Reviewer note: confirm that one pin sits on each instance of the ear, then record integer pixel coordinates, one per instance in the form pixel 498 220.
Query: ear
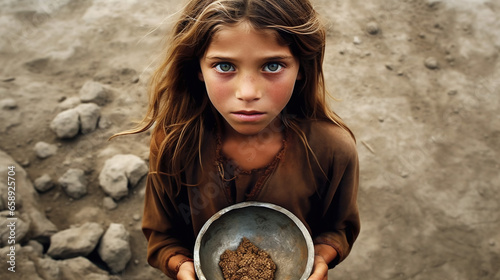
pixel 200 76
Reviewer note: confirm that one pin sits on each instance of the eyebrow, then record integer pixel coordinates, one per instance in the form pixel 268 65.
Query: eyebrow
pixel 270 58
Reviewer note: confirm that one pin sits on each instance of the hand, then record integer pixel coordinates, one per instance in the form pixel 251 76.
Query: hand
pixel 186 271
pixel 320 269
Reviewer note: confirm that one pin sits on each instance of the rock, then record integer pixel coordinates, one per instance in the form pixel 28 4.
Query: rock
pixel 372 28
pixel 37 247
pixel 8 103
pixel 66 124
pixel 433 3
pixel 49 269
pixel 114 248
pixel 113 182
pixel 109 203
pixel 94 92
pixel 81 268
pixel 74 183
pixel 41 228
pixel 69 103
pixel 89 116
pixel 76 241
pixel 44 150
pixel 104 123
pixel 12 230
pixel 44 183
pixel 357 40
pixel 25 195
pixel 27 201
pixel 431 63
pixel 24 266
pixel 136 169
pixel 119 172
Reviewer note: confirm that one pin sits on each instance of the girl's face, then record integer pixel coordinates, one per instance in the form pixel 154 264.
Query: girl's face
pixel 249 76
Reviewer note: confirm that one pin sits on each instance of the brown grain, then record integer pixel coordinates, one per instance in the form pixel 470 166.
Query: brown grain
pixel 248 262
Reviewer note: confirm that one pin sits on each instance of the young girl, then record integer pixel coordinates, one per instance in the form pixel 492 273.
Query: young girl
pixel 239 113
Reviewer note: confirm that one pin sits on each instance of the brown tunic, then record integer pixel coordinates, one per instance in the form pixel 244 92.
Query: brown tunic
pixel 322 196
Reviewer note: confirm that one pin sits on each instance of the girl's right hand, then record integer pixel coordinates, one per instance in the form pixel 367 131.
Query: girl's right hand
pixel 186 271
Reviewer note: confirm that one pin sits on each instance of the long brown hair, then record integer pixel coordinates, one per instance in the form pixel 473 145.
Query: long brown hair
pixel 179 110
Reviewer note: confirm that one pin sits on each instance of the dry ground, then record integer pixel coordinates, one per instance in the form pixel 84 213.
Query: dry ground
pixel 428 139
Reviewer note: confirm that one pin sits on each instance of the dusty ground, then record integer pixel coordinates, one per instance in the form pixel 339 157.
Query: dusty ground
pixel 428 139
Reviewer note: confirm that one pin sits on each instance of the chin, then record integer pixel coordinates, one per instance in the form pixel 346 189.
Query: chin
pixel 249 130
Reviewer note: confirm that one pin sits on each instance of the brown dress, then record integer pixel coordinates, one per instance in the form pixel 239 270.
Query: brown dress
pixel 320 189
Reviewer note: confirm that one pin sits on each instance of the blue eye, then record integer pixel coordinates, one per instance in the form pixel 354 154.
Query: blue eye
pixel 273 67
pixel 224 67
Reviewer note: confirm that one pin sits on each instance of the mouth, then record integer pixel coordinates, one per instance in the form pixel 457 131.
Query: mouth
pixel 248 116
pixel 248 113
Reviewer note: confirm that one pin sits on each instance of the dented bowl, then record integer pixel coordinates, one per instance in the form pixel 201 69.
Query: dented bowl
pixel 268 226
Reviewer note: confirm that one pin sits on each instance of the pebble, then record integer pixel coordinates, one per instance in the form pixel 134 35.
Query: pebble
pixel 357 40
pixel 136 217
pixel 66 124
pixel 8 79
pixel 8 104
pixel 74 183
pixel 44 183
pixel 114 247
pixel 431 63
pixel 109 203
pixel 89 116
pixel 372 28
pixel 94 92
pixel 69 103
pixel 75 241
pixel 120 172
pixel 44 150
pixel 56 196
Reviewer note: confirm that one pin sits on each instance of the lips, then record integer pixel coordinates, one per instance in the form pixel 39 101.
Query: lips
pixel 248 116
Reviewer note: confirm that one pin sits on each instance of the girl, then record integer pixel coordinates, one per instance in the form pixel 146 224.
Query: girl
pixel 238 112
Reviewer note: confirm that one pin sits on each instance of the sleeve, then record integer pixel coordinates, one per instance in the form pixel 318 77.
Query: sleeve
pixel 159 228
pixel 339 222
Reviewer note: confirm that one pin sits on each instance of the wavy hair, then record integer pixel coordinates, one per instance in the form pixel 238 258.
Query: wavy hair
pixel 179 109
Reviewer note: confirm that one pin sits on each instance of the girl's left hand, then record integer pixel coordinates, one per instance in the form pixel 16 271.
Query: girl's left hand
pixel 320 269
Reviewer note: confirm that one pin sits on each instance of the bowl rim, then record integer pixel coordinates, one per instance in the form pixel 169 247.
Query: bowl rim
pixel 220 213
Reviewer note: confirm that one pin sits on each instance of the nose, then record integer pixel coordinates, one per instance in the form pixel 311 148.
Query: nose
pixel 248 88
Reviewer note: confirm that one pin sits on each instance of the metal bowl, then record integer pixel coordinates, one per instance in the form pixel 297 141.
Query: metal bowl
pixel 270 227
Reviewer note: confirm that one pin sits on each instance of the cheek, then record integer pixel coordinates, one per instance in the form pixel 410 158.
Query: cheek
pixel 217 92
pixel 281 93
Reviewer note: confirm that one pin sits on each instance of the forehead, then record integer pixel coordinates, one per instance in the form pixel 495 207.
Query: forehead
pixel 244 37
pixel 244 27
